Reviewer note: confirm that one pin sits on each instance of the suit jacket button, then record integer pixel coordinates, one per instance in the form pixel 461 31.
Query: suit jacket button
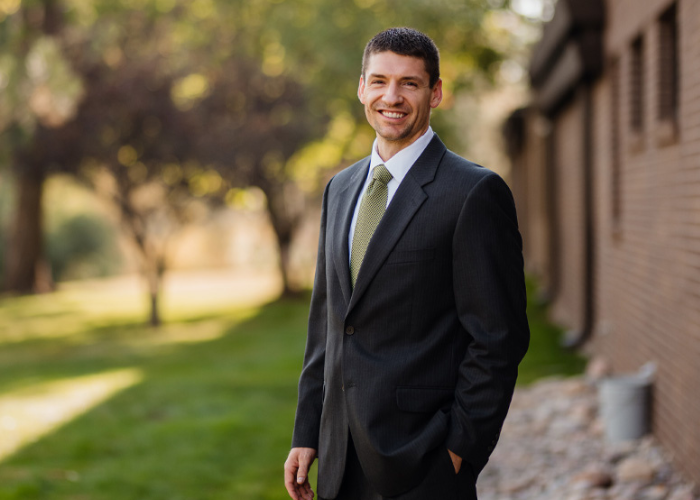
pixel 350 330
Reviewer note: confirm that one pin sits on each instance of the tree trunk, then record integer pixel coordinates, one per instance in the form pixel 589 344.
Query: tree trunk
pixel 284 245
pixel 154 294
pixel 155 283
pixel 26 269
pixel 284 222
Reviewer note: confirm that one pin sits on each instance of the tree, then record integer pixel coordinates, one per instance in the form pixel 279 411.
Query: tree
pixel 132 139
pixel 252 94
pixel 41 95
pixel 253 124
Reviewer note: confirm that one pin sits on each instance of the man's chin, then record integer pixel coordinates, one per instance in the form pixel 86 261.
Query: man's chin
pixel 391 134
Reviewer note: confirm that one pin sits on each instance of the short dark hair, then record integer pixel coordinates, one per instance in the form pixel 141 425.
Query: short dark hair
pixel 406 42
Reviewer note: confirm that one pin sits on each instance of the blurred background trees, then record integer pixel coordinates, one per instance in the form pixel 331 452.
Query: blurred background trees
pixel 170 109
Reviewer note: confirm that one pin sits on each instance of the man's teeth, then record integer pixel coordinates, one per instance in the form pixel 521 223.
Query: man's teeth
pixel 389 114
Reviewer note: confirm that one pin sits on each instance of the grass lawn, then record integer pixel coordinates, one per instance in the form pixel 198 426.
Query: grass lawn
pixel 96 406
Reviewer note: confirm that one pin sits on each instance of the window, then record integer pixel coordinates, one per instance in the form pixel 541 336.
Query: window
pixel 616 159
pixel 637 86
pixel 667 109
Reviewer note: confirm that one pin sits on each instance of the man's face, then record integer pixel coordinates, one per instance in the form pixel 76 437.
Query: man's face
pixel 396 92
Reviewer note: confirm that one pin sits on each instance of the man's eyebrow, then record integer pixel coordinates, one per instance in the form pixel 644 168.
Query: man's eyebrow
pixel 403 78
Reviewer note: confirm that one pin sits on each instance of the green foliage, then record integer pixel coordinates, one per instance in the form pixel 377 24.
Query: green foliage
pixel 82 246
pixel 192 99
pixel 545 357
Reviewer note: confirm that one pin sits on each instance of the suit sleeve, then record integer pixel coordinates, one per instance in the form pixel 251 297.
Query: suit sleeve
pixel 490 296
pixel 308 415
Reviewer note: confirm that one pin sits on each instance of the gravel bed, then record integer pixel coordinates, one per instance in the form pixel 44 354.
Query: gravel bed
pixel 552 447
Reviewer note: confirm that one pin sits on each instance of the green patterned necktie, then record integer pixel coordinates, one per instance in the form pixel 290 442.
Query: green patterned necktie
pixel 372 209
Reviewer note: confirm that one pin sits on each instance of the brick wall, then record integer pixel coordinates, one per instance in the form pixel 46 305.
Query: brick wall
pixel 567 307
pixel 648 262
pixel 646 199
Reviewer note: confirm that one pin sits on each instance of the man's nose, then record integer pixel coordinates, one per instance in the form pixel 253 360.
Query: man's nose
pixel 393 95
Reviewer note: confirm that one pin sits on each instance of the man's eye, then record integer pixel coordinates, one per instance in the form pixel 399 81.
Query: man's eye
pixel 377 82
pixel 411 84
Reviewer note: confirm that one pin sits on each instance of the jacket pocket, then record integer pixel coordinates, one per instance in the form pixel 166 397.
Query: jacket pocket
pixel 424 399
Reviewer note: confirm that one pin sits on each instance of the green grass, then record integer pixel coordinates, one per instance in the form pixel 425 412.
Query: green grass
pixel 545 357
pixel 205 412
pixel 104 408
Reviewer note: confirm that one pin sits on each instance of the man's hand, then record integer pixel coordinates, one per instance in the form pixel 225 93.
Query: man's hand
pixel 456 461
pixel 296 473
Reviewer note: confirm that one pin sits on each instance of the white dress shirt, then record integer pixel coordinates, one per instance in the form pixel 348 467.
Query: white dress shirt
pixel 398 166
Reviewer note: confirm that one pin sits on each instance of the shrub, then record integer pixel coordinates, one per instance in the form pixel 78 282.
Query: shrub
pixel 82 246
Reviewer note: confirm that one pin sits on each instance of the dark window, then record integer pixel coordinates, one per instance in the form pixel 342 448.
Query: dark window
pixel 668 65
pixel 637 85
pixel 615 141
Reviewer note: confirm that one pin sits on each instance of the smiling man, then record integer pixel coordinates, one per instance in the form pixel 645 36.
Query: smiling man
pixel 417 321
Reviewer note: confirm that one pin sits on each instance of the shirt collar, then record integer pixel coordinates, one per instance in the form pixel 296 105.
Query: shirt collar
pixel 399 164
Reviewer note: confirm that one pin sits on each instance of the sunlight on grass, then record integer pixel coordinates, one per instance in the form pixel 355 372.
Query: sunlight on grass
pixel 32 412
pixel 190 333
pixel 78 308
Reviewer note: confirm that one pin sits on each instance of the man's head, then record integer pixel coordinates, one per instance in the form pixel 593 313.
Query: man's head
pixel 405 42
pixel 399 86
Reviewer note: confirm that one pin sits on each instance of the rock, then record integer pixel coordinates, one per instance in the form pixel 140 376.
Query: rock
pixel 635 469
pixel 595 476
pixel 656 492
pixel 583 413
pixel 517 485
pixel 574 387
pixel 598 368
pixel 597 428
pixel 682 493
pixel 616 452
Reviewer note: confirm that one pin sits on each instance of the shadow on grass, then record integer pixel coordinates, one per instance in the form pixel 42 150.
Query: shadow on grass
pixel 209 420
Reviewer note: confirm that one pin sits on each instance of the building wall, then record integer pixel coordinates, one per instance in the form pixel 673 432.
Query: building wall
pixel 529 178
pixel 567 307
pixel 648 260
pixel 646 200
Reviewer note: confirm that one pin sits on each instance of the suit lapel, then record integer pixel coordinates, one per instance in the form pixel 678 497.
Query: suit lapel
pixel 347 199
pixel 406 202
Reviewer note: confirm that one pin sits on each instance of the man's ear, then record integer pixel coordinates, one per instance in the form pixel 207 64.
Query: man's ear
pixel 361 90
pixel 436 94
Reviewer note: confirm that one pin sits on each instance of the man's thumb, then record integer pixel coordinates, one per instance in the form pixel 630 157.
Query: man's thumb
pixel 303 468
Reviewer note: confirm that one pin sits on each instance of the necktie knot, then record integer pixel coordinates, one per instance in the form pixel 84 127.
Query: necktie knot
pixel 382 174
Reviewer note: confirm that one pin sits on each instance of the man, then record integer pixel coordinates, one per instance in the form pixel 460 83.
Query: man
pixel 417 320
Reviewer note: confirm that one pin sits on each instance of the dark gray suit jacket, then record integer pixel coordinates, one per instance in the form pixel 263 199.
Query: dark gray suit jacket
pixel 424 351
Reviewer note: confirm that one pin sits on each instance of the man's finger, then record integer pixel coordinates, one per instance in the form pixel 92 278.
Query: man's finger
pixel 290 480
pixel 303 470
pixel 306 491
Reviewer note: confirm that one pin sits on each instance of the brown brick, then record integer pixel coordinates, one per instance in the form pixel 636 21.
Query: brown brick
pixel 646 295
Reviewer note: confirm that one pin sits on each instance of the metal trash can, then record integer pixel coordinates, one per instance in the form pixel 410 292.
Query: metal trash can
pixel 625 405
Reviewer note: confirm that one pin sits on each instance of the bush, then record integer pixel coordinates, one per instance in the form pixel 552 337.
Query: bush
pixel 82 246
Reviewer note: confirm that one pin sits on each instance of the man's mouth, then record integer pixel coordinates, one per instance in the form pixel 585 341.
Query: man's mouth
pixel 392 114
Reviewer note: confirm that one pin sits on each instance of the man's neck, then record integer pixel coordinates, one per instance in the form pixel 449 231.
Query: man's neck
pixel 388 149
